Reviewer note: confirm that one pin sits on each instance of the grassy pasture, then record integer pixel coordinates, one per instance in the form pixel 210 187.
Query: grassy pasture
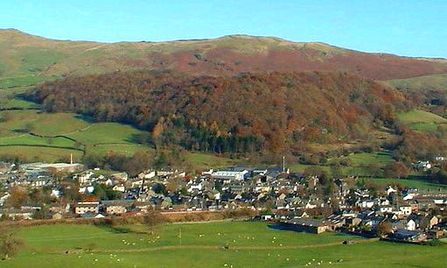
pixel 357 159
pixel 106 133
pixel 24 81
pixel 251 244
pixel 413 183
pixel 430 82
pixel 99 138
pixel 422 120
pixel 39 153
pixel 419 116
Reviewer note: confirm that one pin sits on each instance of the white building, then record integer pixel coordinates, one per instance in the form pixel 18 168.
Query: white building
pixel 229 175
pixel 83 207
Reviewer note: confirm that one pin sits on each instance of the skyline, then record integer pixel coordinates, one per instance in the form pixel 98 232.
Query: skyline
pixel 410 28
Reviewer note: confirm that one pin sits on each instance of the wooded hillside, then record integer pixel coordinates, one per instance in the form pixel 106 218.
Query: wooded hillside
pixel 245 113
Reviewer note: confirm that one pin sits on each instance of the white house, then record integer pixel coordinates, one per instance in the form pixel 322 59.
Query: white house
pixel 83 207
pixel 405 210
pixel 411 225
pixel 367 203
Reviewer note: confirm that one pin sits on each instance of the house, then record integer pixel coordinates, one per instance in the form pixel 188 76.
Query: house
pixel 56 216
pixel 405 210
pixel 84 207
pixel 267 217
pixel 17 214
pixel 424 222
pixel 116 207
pixel 228 176
pixel 119 188
pixel 308 225
pixel 367 203
pixel 389 190
pixel 411 225
pixel 5 167
pixel 407 236
pixel 386 209
pixel 423 165
pixel 428 222
pixel 84 177
pixel 122 176
pixel 352 221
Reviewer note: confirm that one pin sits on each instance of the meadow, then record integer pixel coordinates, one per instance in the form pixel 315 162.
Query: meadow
pixel 62 134
pixel 430 82
pixel 422 120
pixel 250 244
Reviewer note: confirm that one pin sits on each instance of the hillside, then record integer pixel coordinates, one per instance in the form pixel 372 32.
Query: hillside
pixel 30 56
pixel 242 113
pixel 423 83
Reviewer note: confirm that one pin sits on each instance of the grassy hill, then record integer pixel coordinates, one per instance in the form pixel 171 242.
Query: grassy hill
pixel 56 136
pixel 422 120
pixel 251 244
pixel 67 133
pixel 28 56
pixel 423 83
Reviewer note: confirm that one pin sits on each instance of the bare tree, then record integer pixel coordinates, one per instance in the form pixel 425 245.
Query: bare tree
pixel 9 243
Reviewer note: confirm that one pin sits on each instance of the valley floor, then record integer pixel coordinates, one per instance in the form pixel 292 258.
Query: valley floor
pixel 249 244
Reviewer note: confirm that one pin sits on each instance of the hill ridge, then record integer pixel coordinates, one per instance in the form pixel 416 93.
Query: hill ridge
pixel 25 54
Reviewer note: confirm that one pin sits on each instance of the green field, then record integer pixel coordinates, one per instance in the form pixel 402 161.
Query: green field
pixel 23 81
pixel 356 161
pixel 35 154
pixel 419 116
pixel 98 138
pixel 422 120
pixel 412 183
pixel 430 82
pixel 251 244
pixel 381 158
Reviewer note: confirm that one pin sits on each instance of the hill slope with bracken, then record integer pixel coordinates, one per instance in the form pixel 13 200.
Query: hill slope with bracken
pixel 243 113
pixel 22 54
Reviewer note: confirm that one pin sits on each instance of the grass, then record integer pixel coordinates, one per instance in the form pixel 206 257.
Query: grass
pixel 357 159
pixel 19 103
pixel 33 140
pixel 411 183
pixel 42 123
pixel 201 160
pixel 251 244
pixel 422 120
pixel 419 116
pixel 33 154
pixel 24 81
pixel 430 82
pixel 99 138
pixel 104 133
pixel 381 158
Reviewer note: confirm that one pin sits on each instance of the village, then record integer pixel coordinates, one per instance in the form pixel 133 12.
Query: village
pixel 291 201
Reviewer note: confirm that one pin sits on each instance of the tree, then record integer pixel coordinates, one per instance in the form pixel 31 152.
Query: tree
pixel 373 169
pixel 18 196
pixel 173 185
pixel 396 169
pixel 152 220
pixel 384 228
pixel 159 188
pixel 441 175
pixel 139 162
pixel 29 127
pixel 336 171
pixel 9 244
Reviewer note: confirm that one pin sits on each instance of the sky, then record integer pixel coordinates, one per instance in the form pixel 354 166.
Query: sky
pixel 405 27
